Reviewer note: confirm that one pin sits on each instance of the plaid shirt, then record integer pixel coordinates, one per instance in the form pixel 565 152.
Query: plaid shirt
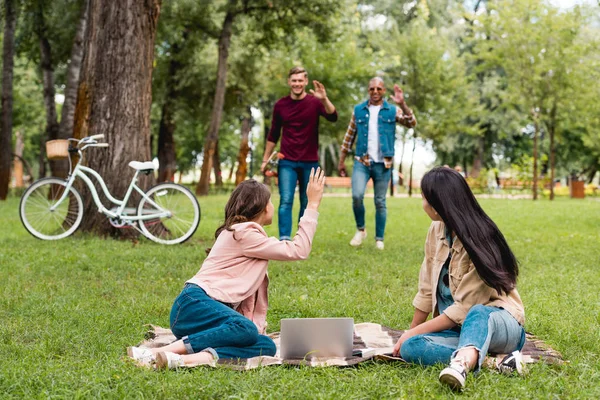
pixel 408 120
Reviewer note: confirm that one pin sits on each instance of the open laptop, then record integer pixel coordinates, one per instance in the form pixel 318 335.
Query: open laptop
pixel 316 337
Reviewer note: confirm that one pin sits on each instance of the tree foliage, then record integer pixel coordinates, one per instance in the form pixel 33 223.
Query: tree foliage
pixel 480 75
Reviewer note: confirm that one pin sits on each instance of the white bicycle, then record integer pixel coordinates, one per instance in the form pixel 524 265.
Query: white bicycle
pixel 52 209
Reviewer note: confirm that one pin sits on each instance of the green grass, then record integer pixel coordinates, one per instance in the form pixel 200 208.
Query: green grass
pixel 69 309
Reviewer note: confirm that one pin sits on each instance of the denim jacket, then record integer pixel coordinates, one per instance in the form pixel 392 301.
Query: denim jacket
pixel 386 125
pixel 467 288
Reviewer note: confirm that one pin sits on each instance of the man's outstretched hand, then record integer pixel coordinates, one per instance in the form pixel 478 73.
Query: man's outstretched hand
pixel 319 92
pixel 398 96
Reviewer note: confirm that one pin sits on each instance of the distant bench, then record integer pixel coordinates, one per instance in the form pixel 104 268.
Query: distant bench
pixel 505 184
pixel 344 182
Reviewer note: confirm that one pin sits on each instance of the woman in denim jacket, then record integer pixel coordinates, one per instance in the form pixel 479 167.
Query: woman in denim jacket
pixel 467 280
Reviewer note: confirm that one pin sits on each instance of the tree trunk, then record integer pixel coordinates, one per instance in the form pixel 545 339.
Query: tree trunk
pixel 478 161
pixel 592 170
pixel 412 162
pixel 552 132
pixel 58 168
pixel 231 171
pixel 400 174
pixel 8 52
pixel 534 185
pixel 27 179
pixel 166 133
pixel 242 171
pixel 166 142
pixel 115 94
pixel 65 129
pixel 42 158
pixel 18 163
pixel 334 156
pixel 217 167
pixel 217 110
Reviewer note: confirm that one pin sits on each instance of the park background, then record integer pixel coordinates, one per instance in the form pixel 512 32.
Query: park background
pixel 506 89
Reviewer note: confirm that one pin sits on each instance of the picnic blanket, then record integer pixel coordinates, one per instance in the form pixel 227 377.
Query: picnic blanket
pixel 373 341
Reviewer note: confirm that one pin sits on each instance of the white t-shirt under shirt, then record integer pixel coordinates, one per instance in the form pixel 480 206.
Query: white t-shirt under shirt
pixel 373 139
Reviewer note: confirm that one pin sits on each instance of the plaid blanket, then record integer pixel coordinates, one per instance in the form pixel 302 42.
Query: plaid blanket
pixel 373 341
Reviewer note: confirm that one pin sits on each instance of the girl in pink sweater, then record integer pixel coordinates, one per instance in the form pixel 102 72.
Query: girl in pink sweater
pixel 221 312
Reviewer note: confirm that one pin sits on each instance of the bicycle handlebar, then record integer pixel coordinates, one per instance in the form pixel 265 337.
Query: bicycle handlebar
pixel 93 145
pixel 96 137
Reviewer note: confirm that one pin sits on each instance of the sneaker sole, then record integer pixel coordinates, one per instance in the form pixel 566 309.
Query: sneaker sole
pixel 162 362
pixel 137 361
pixel 450 379
pixel 518 364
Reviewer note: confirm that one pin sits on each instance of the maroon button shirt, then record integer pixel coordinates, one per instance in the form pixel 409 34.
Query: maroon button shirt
pixel 299 120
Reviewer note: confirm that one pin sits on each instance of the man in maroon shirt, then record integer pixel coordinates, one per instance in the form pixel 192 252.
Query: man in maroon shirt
pixel 296 120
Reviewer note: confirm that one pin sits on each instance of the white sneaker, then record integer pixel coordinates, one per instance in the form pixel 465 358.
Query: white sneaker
pixel 379 244
pixel 142 355
pixel 168 360
pixel 511 363
pixel 358 238
pixel 454 375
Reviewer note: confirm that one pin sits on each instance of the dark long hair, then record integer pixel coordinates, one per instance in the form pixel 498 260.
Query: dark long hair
pixel 247 201
pixel 450 196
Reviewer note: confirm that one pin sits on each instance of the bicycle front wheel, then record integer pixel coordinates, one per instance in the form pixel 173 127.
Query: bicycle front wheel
pixel 184 211
pixel 41 214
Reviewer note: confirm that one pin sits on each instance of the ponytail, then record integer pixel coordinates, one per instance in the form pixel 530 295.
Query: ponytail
pixel 248 200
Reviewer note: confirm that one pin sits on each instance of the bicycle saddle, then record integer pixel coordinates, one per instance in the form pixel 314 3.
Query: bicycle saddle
pixel 144 166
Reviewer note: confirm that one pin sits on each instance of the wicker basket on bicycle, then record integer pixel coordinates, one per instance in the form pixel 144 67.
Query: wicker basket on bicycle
pixel 56 149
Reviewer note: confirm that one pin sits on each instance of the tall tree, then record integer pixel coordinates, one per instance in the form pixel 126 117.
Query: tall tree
pixel 114 94
pixel 516 31
pixel 65 129
pixel 272 16
pixel 182 84
pixel 433 78
pixel 8 53
pixel 210 143
pixel 564 48
pixel 58 168
pixel 242 170
pixel 166 131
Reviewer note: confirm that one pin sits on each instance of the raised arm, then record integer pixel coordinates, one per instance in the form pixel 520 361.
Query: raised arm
pixel 404 115
pixel 320 93
pixel 255 244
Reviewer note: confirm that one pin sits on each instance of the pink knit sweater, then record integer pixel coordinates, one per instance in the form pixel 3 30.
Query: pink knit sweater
pixel 235 271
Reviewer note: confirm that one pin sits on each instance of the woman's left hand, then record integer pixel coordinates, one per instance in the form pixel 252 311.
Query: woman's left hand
pixel 406 335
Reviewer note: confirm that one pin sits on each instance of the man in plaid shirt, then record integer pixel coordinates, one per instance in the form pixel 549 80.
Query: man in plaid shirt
pixel 373 128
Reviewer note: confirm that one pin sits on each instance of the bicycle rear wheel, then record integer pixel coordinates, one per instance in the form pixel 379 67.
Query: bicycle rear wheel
pixel 184 216
pixel 37 216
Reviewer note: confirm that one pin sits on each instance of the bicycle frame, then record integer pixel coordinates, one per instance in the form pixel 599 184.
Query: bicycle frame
pixel 80 171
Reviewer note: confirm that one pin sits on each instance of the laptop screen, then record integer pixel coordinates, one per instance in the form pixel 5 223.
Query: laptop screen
pixel 316 337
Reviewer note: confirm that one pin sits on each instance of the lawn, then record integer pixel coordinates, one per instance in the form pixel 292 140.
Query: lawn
pixel 70 308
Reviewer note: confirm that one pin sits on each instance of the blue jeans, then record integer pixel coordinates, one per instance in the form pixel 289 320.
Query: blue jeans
pixel 203 323
pixel 486 328
pixel 381 180
pixel 290 173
